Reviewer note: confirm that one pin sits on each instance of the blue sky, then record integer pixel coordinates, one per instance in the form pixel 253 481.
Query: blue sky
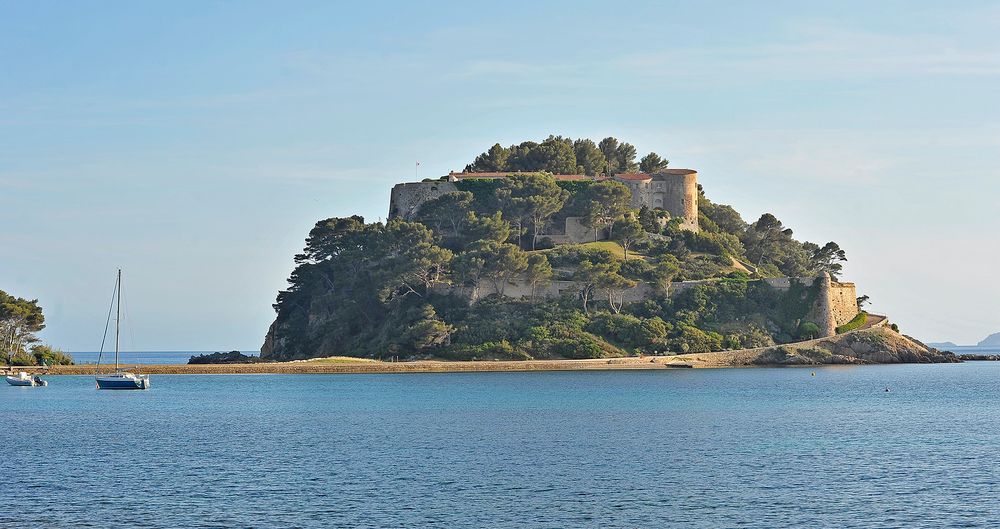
pixel 195 143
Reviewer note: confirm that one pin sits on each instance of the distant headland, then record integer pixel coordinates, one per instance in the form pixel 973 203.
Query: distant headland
pixel 570 249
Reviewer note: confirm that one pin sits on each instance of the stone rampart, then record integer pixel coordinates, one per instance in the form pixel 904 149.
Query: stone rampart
pixel 405 199
pixel 843 302
pixel 673 190
pixel 835 305
pixel 577 233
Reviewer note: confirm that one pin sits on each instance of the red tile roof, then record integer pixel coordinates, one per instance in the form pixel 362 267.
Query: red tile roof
pixel 633 176
pixel 647 176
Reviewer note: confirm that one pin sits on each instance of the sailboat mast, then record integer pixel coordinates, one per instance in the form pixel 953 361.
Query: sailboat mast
pixel 118 316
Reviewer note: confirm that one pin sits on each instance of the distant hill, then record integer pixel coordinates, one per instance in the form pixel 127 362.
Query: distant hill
pixel 992 340
pixel 943 345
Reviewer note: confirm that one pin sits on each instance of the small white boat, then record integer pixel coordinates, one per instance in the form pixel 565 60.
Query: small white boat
pixel 24 379
pixel 119 378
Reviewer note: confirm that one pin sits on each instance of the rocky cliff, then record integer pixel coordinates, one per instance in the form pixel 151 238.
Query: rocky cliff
pixel 878 345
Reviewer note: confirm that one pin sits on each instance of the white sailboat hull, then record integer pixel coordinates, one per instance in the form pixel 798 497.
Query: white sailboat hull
pixel 122 380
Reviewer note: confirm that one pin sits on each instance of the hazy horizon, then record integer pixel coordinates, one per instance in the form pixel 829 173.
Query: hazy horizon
pixel 194 145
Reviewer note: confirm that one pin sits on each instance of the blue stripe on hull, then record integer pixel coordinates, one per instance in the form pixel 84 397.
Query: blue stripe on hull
pixel 118 384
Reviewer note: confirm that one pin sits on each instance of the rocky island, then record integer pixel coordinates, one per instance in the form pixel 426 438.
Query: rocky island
pixel 572 250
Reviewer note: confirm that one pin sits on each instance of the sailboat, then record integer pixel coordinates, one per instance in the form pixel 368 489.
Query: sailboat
pixel 119 379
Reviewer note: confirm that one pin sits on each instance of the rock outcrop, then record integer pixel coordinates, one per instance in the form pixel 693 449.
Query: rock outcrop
pixel 232 357
pixel 878 345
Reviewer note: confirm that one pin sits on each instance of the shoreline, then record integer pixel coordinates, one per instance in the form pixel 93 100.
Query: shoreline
pixel 417 366
pixel 872 344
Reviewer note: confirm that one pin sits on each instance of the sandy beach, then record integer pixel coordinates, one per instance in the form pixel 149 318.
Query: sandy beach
pixel 422 366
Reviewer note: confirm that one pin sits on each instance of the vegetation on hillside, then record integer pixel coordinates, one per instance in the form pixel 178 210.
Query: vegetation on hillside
pixel 559 155
pixel 20 319
pixel 377 290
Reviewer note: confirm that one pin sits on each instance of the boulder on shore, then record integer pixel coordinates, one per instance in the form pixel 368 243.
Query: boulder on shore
pixel 232 357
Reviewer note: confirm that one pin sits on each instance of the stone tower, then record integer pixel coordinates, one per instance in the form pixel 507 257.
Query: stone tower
pixel 672 190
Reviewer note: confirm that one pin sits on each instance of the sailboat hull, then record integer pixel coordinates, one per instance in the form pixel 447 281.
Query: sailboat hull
pixel 123 382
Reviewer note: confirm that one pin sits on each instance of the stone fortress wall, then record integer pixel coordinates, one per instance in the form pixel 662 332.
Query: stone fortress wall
pixel 835 305
pixel 405 199
pixel 672 190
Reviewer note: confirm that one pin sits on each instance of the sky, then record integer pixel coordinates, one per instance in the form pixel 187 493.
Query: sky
pixel 194 144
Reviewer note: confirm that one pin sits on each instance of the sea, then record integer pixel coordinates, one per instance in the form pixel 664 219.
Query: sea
pixel 893 446
pixel 142 357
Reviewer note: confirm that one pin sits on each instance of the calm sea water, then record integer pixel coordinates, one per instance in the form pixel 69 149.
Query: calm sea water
pixel 681 448
pixel 143 357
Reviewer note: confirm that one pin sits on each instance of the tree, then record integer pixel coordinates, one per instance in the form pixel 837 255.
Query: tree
pixel 555 155
pixel 501 262
pixel 532 199
pixel 492 160
pixel 448 210
pixel 629 231
pixel 608 201
pixel 539 272
pixel 615 286
pixel 769 243
pixel 652 163
pixel 426 331
pixel 727 219
pixel 486 228
pixel 20 319
pixel 649 220
pixel 334 237
pixel 664 273
pixel 862 301
pixel 609 148
pixel 625 156
pixel 827 258
pixel 407 259
pixel 588 276
pixel 522 157
pixel 589 157
pixel 467 270
pixel 593 276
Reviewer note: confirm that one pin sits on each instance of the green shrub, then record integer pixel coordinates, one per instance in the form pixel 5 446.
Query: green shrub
pixel 544 243
pixel 629 330
pixel 855 323
pixel 637 269
pixel 808 330
pixel 502 350
pixel 694 340
pixel 45 354
pixel 22 358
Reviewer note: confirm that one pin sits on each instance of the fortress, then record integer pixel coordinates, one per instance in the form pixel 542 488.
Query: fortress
pixel 672 190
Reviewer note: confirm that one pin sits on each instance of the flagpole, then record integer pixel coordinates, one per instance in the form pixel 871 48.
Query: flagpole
pixel 416 165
